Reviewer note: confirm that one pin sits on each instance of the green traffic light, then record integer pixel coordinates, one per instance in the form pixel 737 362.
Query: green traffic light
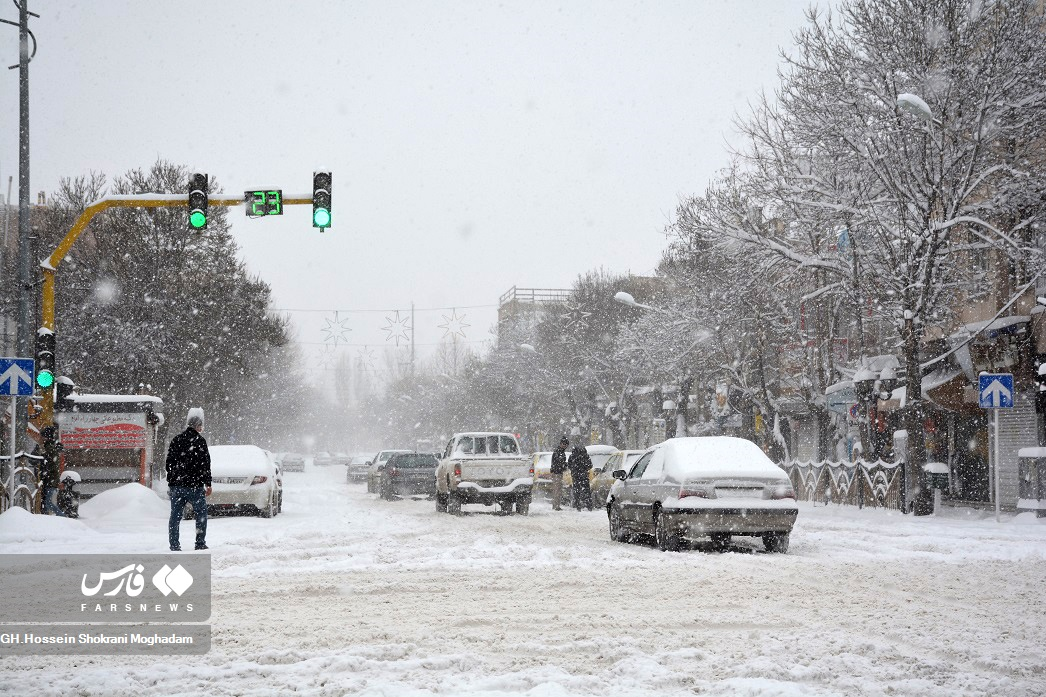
pixel 44 379
pixel 197 219
pixel 322 217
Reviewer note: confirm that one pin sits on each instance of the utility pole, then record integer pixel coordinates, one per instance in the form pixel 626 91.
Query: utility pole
pixel 25 331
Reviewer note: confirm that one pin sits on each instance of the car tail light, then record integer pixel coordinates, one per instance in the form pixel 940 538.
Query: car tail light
pixel 703 491
pixel 457 469
pixel 393 472
pixel 531 469
pixel 259 480
pixel 779 491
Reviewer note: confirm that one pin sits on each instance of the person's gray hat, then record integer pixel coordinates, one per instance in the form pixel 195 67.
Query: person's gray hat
pixel 195 418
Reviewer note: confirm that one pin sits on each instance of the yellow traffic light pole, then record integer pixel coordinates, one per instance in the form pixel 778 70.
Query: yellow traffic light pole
pixel 50 266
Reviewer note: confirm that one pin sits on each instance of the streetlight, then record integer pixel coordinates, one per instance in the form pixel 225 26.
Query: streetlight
pixel 916 106
pixel 627 299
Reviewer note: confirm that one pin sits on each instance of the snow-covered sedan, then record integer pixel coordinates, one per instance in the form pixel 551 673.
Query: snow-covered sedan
pixel 244 478
pixel 358 467
pixel 715 487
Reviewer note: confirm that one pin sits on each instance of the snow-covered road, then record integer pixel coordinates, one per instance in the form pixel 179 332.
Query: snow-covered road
pixel 345 594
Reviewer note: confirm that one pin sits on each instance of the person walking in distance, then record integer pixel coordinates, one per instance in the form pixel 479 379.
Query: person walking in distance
pixel 579 464
pixel 559 466
pixel 189 479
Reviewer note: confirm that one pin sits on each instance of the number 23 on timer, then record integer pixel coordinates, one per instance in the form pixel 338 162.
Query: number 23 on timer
pixel 261 203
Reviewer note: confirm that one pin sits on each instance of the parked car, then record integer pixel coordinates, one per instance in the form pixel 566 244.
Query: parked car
pixel 293 462
pixel 408 474
pixel 340 459
pixel 716 487
pixel 358 466
pixel 603 479
pixel 542 464
pixel 486 468
pixel 322 459
pixel 376 466
pixel 245 478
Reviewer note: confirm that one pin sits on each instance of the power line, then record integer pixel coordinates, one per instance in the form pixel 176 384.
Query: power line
pixel 419 309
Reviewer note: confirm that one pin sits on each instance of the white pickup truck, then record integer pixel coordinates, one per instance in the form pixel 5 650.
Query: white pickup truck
pixel 485 468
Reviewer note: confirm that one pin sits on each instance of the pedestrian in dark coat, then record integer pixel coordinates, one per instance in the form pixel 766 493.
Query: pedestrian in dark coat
pixel 189 479
pixel 579 464
pixel 51 451
pixel 559 466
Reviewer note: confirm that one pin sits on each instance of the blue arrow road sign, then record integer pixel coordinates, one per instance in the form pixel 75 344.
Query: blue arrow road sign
pixel 995 390
pixel 16 377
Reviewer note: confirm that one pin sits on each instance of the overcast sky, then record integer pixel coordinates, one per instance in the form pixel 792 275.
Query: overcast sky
pixel 474 145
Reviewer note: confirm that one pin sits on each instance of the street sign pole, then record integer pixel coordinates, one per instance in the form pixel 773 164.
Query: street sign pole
pixel 997 497
pixel 995 392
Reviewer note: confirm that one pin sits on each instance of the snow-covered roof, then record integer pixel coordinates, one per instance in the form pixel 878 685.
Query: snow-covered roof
pixel 116 398
pixel 992 328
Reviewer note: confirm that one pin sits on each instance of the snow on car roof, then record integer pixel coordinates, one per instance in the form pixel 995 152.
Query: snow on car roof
pixel 600 449
pixel 716 456
pixel 231 459
pixel 484 433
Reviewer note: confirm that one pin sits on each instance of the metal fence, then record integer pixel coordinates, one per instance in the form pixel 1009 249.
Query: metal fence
pixel 875 484
pixel 20 485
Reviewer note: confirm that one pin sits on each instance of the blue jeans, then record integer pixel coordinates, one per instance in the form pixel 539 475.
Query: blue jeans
pixel 47 498
pixel 181 495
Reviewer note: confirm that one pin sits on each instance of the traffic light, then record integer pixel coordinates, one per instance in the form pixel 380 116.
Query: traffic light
pixel 63 388
pixel 198 201
pixel 321 200
pixel 44 358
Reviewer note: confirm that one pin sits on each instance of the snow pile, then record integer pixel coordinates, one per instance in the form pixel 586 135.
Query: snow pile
pixel 129 503
pixel 18 525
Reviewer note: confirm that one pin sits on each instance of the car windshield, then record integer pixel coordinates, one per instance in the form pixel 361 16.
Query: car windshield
pixel 599 460
pixel 418 460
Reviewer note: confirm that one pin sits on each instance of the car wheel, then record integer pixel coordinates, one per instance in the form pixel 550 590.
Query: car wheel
pixel 617 529
pixel 523 505
pixel 776 542
pixel 270 508
pixel 279 503
pixel 441 503
pixel 664 541
pixel 453 504
pixel 720 541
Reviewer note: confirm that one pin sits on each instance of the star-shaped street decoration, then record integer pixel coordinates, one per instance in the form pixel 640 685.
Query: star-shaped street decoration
pixel 337 329
pixel 397 328
pixel 366 357
pixel 575 316
pixel 453 325
pixel 327 358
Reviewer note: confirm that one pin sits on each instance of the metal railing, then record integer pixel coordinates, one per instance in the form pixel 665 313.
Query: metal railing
pixel 875 484
pixel 20 486
pixel 533 296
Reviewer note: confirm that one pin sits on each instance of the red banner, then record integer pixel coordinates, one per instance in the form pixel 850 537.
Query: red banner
pixel 103 431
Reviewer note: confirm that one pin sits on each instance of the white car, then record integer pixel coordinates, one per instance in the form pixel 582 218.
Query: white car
pixel 713 486
pixel 377 465
pixel 244 478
